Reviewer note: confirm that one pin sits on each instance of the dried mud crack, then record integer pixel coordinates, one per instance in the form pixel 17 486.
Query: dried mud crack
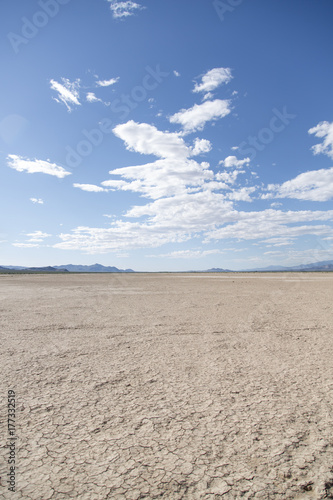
pixel 145 386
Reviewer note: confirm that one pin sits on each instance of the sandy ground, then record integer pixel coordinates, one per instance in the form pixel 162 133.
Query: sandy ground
pixel 168 386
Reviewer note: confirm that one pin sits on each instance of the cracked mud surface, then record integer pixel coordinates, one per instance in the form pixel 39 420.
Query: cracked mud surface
pixel 144 386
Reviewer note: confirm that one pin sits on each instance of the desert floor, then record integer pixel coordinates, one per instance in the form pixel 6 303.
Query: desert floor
pixel 173 386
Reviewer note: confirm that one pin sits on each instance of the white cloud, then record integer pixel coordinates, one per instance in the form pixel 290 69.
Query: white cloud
pixel 172 174
pixel 89 187
pixel 91 97
pixel 229 177
pixel 164 177
pixel 273 223
pixel 124 9
pixel 315 185
pixel 68 92
pixel 201 146
pixel 213 79
pixel 242 194
pixel 276 204
pixel 147 139
pixel 107 83
pixel 188 254
pixel 176 73
pixel 196 117
pixel 231 161
pixel 37 200
pixel 36 166
pixel 25 245
pixel 38 236
pixel 323 130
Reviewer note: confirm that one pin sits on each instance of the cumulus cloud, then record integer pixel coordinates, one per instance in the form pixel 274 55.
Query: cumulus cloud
pixel 201 146
pixel 91 97
pixel 315 185
pixel 107 83
pixel 232 161
pixel 172 174
pixel 125 9
pixel 213 79
pixel 22 164
pixel 37 200
pixel 324 130
pixel 89 187
pixel 147 139
pixel 68 92
pixel 195 118
pixel 229 177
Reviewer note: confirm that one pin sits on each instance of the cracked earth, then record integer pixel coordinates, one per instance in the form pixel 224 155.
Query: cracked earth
pixel 146 386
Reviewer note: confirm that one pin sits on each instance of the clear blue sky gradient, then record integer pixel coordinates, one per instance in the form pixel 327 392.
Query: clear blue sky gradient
pixel 280 57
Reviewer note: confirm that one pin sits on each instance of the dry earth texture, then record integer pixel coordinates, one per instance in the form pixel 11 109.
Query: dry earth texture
pixel 188 386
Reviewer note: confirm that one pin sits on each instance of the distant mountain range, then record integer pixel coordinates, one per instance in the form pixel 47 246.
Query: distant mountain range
pixel 326 265
pixel 95 268
pixel 18 269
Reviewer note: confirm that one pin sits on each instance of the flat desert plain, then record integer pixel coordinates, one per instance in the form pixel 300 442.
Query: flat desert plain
pixel 173 386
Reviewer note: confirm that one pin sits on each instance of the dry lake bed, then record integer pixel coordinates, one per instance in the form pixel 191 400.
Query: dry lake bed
pixel 169 386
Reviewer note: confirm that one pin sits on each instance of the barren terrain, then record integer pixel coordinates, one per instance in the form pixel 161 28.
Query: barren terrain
pixel 172 386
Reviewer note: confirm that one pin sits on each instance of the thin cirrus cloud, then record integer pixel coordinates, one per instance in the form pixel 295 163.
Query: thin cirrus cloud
pixel 68 92
pixel 107 83
pixel 195 118
pixel 34 166
pixel 38 236
pixel 34 240
pixel 121 10
pixel 212 80
pixel 323 130
pixel 92 188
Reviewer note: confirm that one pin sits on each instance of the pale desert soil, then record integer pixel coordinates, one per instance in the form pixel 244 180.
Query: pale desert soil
pixel 169 386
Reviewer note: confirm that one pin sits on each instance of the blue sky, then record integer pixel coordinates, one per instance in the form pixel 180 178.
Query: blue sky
pixel 166 135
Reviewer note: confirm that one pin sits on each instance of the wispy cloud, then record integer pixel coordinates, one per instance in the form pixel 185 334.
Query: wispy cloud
pixel 89 187
pixel 124 9
pixel 34 166
pixel 195 118
pixel 68 92
pixel 37 200
pixel 91 97
pixel 315 185
pixel 25 245
pixel 34 240
pixel 189 254
pixel 107 83
pixel 38 236
pixel 323 130
pixel 212 80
